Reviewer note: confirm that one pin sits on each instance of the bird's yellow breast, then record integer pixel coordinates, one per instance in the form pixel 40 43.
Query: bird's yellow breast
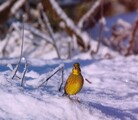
pixel 74 83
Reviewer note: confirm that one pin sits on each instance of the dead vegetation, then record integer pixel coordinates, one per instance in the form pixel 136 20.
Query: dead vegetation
pixel 34 20
pixel 43 19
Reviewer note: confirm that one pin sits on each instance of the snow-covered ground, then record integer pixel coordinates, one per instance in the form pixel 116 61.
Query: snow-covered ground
pixel 113 94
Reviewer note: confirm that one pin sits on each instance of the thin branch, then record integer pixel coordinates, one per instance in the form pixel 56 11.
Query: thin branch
pixel 17 6
pixel 40 21
pixel 39 17
pixel 51 75
pixel 17 66
pixel 24 72
pixel 37 32
pixel 51 33
pixel 62 78
pixel 28 10
pixel 52 7
pixel 102 24
pixel 88 81
pixel 69 49
pixel 46 80
pixel 5 5
pixel 89 13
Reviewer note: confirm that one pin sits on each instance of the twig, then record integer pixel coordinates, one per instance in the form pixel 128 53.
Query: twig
pixel 88 81
pixel 39 18
pixel 62 78
pixel 102 24
pixel 69 49
pixel 24 72
pixel 51 33
pixel 17 66
pixel 75 45
pixel 16 6
pixel 89 13
pixel 5 5
pixel 51 75
pixel 28 10
pixel 52 7
pixel 36 32
pixel 40 21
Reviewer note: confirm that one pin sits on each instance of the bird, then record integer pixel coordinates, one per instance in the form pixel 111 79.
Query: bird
pixel 74 82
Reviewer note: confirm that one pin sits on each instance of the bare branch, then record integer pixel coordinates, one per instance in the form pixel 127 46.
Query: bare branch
pixel 52 7
pixel 62 78
pixel 16 6
pixel 24 72
pixel 5 5
pixel 102 24
pixel 35 32
pixel 17 66
pixel 69 49
pixel 89 13
pixel 52 74
pixel 88 81
pixel 51 33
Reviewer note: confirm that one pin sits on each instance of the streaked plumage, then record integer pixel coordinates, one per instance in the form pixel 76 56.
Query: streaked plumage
pixel 75 81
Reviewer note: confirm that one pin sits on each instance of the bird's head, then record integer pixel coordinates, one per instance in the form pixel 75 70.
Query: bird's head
pixel 76 69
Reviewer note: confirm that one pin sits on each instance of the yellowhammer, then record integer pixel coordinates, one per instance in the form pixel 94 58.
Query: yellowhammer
pixel 75 81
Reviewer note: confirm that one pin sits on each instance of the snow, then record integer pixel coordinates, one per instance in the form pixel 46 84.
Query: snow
pixel 113 94
pixel 103 21
pixel 70 23
pixel 17 6
pixel 4 5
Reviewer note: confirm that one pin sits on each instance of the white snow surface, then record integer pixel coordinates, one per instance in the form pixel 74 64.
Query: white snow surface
pixel 113 94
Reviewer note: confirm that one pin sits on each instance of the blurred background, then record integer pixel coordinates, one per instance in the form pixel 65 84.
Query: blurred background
pixel 56 28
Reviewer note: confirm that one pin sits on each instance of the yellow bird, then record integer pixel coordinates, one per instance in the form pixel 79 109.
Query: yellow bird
pixel 75 81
